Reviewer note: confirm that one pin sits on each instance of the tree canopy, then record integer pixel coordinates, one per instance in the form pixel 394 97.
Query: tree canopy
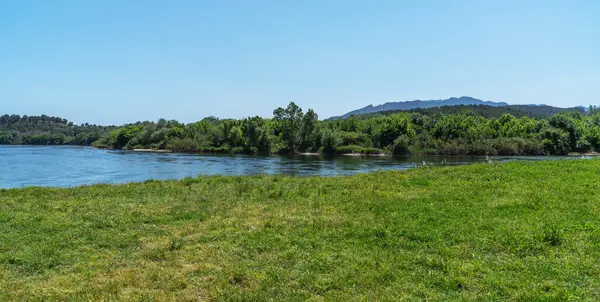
pixel 292 130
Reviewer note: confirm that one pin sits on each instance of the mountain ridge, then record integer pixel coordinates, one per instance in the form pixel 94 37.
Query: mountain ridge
pixel 408 105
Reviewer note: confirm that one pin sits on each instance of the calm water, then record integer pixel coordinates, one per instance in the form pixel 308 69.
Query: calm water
pixel 72 166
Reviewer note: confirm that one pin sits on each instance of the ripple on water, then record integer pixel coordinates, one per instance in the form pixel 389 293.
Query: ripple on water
pixel 68 166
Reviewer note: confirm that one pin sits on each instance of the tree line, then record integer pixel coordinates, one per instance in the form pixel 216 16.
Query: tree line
pixel 291 130
pixel 450 131
pixel 534 111
pixel 47 130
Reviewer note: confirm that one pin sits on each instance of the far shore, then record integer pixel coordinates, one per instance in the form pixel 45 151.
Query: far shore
pixel 303 153
pixel 344 154
pixel 153 150
pixel 584 154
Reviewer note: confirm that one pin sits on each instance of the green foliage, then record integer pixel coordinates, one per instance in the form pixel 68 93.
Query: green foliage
pixel 393 126
pixel 330 141
pixel 356 138
pixel 47 130
pixel 309 131
pixel 264 142
pixel 122 137
pixel 593 137
pixel 183 145
pixel 236 138
pixel 533 111
pixel 555 141
pixel 291 121
pixel 444 130
pixel 401 145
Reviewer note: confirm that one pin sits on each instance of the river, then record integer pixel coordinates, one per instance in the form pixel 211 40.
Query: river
pixel 69 166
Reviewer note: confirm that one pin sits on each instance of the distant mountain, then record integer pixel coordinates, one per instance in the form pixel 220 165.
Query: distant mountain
pixel 533 111
pixel 408 105
pixel 545 110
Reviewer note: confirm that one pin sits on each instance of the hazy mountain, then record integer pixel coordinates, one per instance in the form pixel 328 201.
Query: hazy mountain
pixel 533 111
pixel 408 105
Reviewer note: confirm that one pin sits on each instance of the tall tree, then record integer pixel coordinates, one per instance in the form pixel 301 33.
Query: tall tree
pixel 291 121
pixel 308 130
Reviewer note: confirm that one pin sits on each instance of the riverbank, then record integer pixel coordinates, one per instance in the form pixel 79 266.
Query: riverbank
pixel 300 153
pixel 511 231
pixel 573 154
pixel 153 150
pixel 584 154
pixel 343 154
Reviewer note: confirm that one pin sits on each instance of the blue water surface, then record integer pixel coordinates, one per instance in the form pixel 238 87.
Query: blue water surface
pixel 69 166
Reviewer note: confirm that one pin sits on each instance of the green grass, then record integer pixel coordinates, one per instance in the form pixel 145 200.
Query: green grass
pixel 514 231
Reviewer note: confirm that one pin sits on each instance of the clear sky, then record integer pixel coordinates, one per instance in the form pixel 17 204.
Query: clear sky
pixel 116 61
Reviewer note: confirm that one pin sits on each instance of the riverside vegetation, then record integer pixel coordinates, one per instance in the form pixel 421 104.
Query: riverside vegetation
pixel 452 130
pixel 526 231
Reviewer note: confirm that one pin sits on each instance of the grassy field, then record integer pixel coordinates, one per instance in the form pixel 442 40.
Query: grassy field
pixel 513 231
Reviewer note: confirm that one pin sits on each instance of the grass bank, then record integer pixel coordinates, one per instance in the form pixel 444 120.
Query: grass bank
pixel 512 231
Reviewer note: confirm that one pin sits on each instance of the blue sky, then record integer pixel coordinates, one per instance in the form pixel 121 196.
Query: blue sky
pixel 105 61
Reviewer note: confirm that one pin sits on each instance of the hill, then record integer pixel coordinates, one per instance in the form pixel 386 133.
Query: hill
pixel 533 111
pixel 545 110
pixel 408 105
pixel 47 130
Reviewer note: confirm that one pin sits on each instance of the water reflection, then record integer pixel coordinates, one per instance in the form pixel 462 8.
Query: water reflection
pixel 73 166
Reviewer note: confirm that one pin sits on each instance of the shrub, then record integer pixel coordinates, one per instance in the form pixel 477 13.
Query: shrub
pixel 348 149
pixel 531 146
pixel 370 150
pixel 355 138
pixel 401 145
pixel 452 148
pixel 506 146
pixel 330 141
pixel 593 137
pixel 483 148
pixel 183 145
pixel 555 141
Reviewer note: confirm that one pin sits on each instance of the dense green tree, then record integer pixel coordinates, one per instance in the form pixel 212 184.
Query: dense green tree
pixel 251 129
pixel 391 127
pixel 290 119
pixel 47 130
pixel 330 141
pixel 309 131
pixel 462 130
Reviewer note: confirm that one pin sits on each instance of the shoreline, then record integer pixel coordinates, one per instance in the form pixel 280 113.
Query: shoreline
pixel 147 150
pixel 153 151
pixel 361 154
pixel 300 153
pixel 584 154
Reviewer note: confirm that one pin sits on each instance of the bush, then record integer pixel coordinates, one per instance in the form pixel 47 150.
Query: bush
pixel 506 146
pixel 401 145
pixel 183 145
pixel 593 137
pixel 555 141
pixel 452 148
pixel 583 145
pixel 348 149
pixel 531 146
pixel 483 148
pixel 330 141
pixel 355 138
pixel 370 150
